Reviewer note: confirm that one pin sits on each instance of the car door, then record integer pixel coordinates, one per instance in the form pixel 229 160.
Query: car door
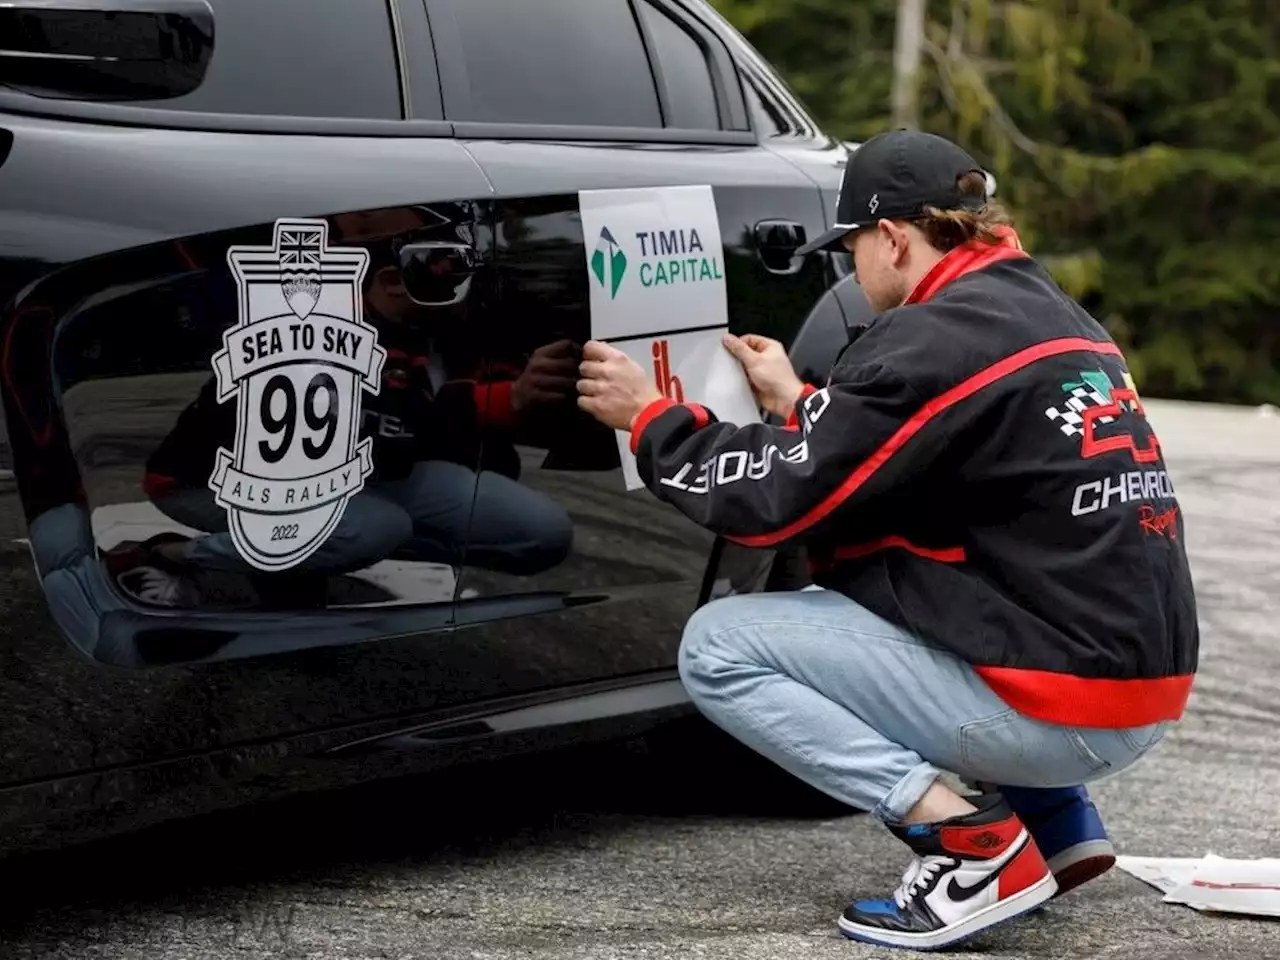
pixel 556 97
pixel 232 286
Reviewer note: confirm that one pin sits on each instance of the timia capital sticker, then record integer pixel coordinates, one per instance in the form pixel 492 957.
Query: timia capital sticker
pixel 297 364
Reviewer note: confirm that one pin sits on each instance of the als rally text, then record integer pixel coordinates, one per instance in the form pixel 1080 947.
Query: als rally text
pixel 300 493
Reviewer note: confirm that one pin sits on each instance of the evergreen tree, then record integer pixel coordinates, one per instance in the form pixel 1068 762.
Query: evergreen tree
pixel 1136 141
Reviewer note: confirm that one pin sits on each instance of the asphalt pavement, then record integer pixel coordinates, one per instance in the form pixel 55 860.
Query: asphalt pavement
pixel 649 851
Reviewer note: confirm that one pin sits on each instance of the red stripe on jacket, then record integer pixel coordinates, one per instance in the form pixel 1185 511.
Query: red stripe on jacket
pixel 793 418
pixel 1089 701
pixel 972 256
pixel 1061 698
pixel 701 417
pixel 938 405
pixel 941 554
pixel 493 403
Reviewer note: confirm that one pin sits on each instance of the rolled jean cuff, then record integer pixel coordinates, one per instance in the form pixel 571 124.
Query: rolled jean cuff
pixel 906 793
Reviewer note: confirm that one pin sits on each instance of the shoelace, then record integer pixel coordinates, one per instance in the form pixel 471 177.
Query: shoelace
pixel 919 874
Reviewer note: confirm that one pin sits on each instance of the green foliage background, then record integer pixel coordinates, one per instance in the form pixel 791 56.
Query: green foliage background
pixel 1136 142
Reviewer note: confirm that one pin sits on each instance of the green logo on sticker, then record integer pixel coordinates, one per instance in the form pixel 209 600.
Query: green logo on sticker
pixel 608 263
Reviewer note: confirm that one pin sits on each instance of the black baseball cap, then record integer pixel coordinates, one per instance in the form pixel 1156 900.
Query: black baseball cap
pixel 894 176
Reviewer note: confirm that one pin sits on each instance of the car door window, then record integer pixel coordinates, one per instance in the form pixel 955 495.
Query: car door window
pixel 299 58
pixel 579 62
pixel 691 94
pixel 765 110
pixel 773 114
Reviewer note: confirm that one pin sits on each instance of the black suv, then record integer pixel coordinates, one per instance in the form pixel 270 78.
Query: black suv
pixel 391 192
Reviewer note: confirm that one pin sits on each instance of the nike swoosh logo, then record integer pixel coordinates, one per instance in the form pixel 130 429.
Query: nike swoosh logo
pixel 960 894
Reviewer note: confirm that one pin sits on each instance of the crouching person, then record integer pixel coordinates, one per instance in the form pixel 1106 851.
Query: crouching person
pixel 1005 591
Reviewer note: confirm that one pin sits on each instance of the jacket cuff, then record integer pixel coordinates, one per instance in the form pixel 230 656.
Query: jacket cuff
pixel 701 417
pixel 646 417
pixel 793 419
pixel 493 400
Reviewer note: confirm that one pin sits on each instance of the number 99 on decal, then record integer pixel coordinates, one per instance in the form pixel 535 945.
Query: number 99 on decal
pixel 297 365
pixel 278 414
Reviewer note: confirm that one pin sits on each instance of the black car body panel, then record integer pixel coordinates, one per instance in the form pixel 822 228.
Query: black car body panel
pixel 117 290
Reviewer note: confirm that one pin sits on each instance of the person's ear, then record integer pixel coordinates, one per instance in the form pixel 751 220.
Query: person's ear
pixel 389 281
pixel 899 240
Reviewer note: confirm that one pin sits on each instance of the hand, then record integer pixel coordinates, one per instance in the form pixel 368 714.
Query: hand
pixel 614 388
pixel 550 375
pixel 773 381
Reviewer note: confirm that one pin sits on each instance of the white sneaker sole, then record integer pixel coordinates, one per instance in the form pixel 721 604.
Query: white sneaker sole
pixel 1022 902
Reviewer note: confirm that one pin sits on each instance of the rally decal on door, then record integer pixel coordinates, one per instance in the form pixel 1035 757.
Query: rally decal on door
pixel 297 364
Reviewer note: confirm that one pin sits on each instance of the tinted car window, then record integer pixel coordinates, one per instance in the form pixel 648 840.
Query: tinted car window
pixel 306 58
pixel 555 62
pixel 685 71
pixel 768 117
pixel 771 114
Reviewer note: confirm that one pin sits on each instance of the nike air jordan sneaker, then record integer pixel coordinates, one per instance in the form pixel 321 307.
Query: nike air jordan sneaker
pixel 970 873
pixel 1067 829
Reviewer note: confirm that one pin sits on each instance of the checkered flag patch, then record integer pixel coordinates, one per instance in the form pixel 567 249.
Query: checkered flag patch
pixel 1071 421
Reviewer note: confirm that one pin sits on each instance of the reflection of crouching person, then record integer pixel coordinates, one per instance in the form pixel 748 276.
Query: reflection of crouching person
pixel 370 530
pixel 420 446
pixel 425 515
pixel 177 483
pixel 417 508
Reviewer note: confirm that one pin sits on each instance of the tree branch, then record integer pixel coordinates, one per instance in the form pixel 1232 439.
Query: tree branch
pixel 955 39
pixel 940 60
pixel 998 114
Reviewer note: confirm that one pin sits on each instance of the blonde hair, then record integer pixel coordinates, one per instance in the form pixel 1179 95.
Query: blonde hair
pixel 948 229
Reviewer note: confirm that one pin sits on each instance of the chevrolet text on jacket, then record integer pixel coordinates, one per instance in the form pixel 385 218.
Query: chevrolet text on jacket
pixel 980 471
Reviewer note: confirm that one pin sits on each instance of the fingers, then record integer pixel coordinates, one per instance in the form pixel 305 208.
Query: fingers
pixel 749 345
pixel 595 406
pixel 597 350
pixel 738 347
pixel 549 396
pixel 553 368
pixel 560 350
pixel 555 386
pixel 758 343
pixel 592 368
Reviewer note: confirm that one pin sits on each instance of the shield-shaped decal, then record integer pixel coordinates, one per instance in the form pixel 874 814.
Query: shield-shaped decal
pixel 297 364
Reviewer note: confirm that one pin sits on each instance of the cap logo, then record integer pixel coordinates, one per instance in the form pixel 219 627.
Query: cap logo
pixel 874 205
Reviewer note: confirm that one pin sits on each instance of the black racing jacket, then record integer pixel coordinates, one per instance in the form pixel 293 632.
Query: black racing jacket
pixel 978 470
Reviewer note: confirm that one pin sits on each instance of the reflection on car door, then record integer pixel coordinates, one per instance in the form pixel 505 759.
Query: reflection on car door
pixel 119 392
pixel 634 569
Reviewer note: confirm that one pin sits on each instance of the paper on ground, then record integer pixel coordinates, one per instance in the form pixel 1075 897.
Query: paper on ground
pixel 1164 873
pixel 1234 886
pixel 1212 883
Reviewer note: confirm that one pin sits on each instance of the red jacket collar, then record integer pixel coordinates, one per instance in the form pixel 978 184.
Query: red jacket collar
pixel 974 255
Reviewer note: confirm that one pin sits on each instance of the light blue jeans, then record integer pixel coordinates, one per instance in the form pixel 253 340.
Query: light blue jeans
pixel 867 713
